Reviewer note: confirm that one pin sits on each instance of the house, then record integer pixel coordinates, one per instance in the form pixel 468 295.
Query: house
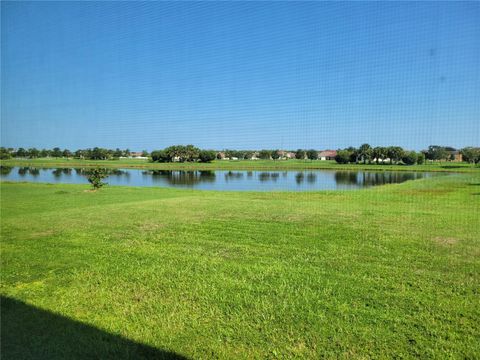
pixel 456 156
pixel 327 155
pixel 221 156
pixel 137 155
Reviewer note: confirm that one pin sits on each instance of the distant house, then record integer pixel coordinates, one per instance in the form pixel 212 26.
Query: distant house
pixel 456 156
pixel 285 155
pixel 327 155
pixel 137 155
pixel 221 156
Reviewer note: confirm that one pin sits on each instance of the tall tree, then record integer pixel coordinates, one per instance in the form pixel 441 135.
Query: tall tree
pixel 56 152
pixel 21 152
pixel 365 152
pixel 300 154
pixel 33 153
pixel 379 153
pixel 265 154
pixel 312 154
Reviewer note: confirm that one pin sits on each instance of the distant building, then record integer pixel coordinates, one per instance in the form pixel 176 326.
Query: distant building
pixel 456 156
pixel 137 155
pixel 327 155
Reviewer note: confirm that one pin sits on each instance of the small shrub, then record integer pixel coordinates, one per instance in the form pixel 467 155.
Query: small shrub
pixel 95 178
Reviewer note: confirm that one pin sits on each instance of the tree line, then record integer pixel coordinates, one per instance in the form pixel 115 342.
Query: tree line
pixel 190 153
pixel 396 154
pixel 95 153
pixel 183 153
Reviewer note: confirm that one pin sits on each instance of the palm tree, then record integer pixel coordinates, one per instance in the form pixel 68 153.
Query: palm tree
pixel 365 151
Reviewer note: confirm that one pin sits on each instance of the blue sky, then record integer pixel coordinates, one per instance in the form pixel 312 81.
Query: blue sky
pixel 145 75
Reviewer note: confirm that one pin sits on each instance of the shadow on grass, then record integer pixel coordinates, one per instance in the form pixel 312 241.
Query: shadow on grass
pixel 31 333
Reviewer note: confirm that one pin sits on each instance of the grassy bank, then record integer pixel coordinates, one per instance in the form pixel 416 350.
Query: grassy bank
pixel 159 273
pixel 239 165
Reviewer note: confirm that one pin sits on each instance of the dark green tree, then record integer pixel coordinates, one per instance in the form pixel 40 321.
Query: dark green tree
pixel 265 154
pixel 437 153
pixel 471 155
pixel 365 152
pixel 300 154
pixel 420 158
pixel 276 154
pixel 21 152
pixel 206 156
pixel 4 153
pixel 56 152
pixel 96 176
pixel 343 156
pixel 312 154
pixel 33 153
pixel 410 158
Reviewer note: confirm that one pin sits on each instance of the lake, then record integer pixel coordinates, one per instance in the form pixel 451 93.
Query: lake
pixel 307 180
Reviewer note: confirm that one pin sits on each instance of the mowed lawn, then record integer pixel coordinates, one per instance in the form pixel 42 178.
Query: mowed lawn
pixel 128 272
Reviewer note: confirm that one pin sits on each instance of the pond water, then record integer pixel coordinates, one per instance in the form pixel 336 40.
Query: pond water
pixel 308 180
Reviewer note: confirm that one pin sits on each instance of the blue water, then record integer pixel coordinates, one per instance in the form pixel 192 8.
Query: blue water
pixel 308 180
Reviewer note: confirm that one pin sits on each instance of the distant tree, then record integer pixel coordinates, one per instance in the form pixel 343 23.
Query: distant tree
pixel 353 154
pixel 56 152
pixel 206 156
pixel 312 154
pixel 4 153
pixel 410 158
pixel 160 156
pixel 21 152
pixel 118 153
pixel 379 153
pixel 395 153
pixel 45 153
pixel 145 153
pixel 365 152
pixel 33 153
pixel 420 158
pixel 300 154
pixel 343 156
pixel 182 153
pixel 98 154
pixel 79 154
pixel 437 153
pixel 276 154
pixel 265 154
pixel 66 153
pixel 248 154
pixel 96 176
pixel 471 155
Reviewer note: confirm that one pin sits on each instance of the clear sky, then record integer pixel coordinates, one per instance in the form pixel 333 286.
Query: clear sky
pixel 145 75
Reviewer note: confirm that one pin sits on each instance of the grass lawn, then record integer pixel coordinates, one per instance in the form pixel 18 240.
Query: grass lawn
pixel 240 165
pixel 127 272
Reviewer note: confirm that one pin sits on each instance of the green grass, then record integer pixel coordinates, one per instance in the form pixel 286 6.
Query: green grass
pixel 240 165
pixel 128 272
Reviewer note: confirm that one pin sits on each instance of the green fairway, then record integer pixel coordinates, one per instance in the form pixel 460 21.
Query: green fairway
pixel 128 272
pixel 240 165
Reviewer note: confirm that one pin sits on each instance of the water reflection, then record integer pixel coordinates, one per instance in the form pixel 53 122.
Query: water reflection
pixel 268 176
pixel 5 170
pixel 180 177
pixel 310 180
pixel 346 177
pixel 299 178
